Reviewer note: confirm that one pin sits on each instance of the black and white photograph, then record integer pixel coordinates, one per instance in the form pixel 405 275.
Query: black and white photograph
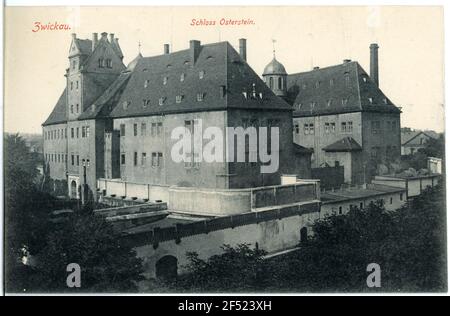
pixel 154 150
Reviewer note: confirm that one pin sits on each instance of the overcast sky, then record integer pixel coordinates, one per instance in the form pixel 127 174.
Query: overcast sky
pixel 410 54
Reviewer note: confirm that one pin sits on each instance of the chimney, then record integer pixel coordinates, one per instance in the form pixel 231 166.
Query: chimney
pixel 166 49
pixel 374 62
pixel 111 38
pixel 74 36
pixel 104 35
pixel 346 61
pixel 243 48
pixel 316 68
pixel 194 50
pixel 94 40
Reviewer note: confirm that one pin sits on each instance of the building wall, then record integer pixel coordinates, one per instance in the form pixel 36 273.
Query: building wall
pixel 247 174
pixel 321 138
pixel 169 172
pixel 271 236
pixel 382 146
pixel 392 202
pixel 53 146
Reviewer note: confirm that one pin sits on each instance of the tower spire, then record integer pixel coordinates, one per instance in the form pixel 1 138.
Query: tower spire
pixel 139 47
pixel 273 46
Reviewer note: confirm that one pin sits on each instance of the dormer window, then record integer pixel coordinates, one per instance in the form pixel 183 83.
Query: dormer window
pixel 126 104
pixel 146 83
pixel 371 100
pixel 244 94
pixel 344 101
pixel 385 101
pixel 317 84
pixel 178 98
pixel 165 79
pixel 201 74
pixel 145 103
pixel 331 82
pixel 161 101
pixel 329 102
pixel 200 97
pixel 364 78
pixel 347 79
pixel 169 65
pixel 304 86
pixel 186 62
pixel 261 95
pixel 182 77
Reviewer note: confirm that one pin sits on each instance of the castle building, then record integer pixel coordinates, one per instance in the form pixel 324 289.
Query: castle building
pixel 115 122
pixel 342 115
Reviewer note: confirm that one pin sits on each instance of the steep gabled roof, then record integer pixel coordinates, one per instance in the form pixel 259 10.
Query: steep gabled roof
pixel 59 113
pixel 222 67
pixel 346 144
pixel 84 45
pixel 103 106
pixel 407 136
pixel 336 89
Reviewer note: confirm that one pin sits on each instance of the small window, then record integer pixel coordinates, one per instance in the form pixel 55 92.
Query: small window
pixel 72 158
pixel 304 86
pixel 135 160
pixel 109 63
pixel 83 132
pixel 161 101
pixel 364 78
pixel 146 82
pixel 344 101
pixel 329 102
pixel 371 100
pixel 100 63
pixel 122 158
pixel 297 128
pixel 78 108
pixel 78 160
pixel 361 205
pixel 77 84
pixel 201 74
pixel 135 129
pixel 391 200
pixel 122 129
pixel 344 127
pixel 385 101
pixel 165 79
pixel 88 131
pixel 71 85
pixel 331 82
pixel 200 97
pixel 317 84
pixel 143 129
pixel 178 98
pixel 182 77
pixel 72 133
pixel 401 196
pixel 143 159
pixel 126 104
pixel 78 132
pixel 350 127
pixel 340 210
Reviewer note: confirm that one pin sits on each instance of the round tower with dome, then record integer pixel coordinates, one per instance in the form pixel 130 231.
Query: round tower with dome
pixel 274 76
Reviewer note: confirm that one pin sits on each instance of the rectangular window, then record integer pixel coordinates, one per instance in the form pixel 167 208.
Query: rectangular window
pixel 78 132
pixel 73 160
pixel 327 128
pixel 153 129
pixel 344 127
pixel 78 160
pixel 159 128
pixel 143 129
pixel 72 133
pixel 83 132
pixel 297 129
pixel 135 129
pixel 350 127
pixel 178 98
pixel 143 159
pixel 311 128
pixel 306 129
pixel 122 129
pixel 159 160
pixel 87 131
pixel 154 159
pixel 122 159
pixel 200 97
pixel 135 160
pixel 332 127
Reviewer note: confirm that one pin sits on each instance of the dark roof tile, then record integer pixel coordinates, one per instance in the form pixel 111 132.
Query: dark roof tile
pixel 59 113
pixel 343 145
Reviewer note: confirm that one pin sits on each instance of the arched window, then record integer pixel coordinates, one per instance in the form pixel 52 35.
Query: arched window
pixel 280 83
pixel 271 82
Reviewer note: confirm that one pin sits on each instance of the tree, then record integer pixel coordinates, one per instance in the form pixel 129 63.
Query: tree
pixel 26 209
pixel 107 264
pixel 409 245
pixel 238 269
